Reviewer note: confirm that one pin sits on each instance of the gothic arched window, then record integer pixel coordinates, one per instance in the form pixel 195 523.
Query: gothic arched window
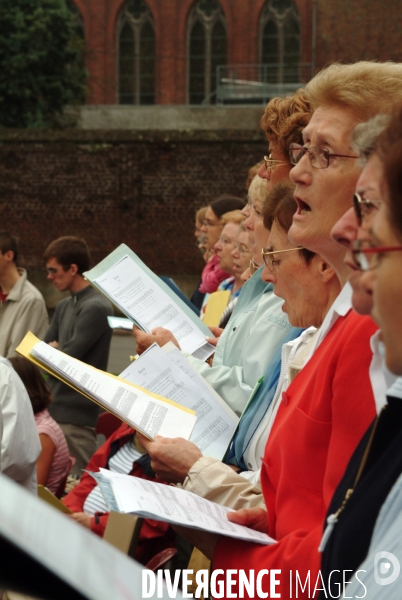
pixel 280 41
pixel 136 54
pixel 206 34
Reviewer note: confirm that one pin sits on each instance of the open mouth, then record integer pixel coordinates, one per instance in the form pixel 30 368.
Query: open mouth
pixel 302 207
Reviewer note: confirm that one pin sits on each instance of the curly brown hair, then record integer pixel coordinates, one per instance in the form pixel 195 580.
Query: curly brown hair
pixel 285 118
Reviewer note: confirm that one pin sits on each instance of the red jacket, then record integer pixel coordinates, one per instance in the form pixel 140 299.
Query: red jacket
pixel 323 415
pixel 151 530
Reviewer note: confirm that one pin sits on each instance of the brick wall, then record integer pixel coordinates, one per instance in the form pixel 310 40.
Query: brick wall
pixel 112 187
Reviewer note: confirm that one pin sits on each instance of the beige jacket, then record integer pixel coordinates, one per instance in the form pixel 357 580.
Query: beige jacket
pixel 24 310
pixel 216 481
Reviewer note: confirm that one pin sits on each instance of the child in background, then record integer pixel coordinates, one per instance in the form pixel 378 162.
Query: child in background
pixel 54 460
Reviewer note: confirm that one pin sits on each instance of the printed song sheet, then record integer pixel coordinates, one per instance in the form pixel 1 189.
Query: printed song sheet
pixel 156 371
pixel 142 299
pixel 150 414
pixel 168 503
pixel 77 557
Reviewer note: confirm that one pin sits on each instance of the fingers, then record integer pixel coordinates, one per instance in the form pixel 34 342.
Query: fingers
pixel 216 331
pixel 255 518
pixel 212 341
pixel 143 441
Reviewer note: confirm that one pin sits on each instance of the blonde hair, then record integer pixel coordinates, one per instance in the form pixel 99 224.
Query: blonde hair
pixel 258 189
pixel 234 216
pixel 366 88
pixel 285 118
pixel 200 214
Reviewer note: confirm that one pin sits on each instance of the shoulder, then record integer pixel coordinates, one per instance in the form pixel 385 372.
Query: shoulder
pixel 12 389
pixel 30 290
pixel 356 328
pixel 95 300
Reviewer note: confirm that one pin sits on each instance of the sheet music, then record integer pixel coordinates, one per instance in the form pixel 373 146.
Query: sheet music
pixel 143 411
pixel 86 562
pixel 155 371
pixel 168 503
pixel 143 300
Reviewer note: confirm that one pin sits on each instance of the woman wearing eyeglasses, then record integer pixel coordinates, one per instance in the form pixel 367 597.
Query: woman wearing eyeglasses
pixel 364 518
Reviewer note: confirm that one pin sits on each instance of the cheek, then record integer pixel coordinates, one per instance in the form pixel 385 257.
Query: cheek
pixel 280 173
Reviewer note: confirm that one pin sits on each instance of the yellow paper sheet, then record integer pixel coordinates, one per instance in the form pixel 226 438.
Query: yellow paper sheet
pixel 217 302
pixel 50 498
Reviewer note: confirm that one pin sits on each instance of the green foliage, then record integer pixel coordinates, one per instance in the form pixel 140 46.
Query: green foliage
pixel 41 62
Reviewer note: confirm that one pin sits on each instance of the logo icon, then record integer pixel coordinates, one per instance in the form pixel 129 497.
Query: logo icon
pixel 386 568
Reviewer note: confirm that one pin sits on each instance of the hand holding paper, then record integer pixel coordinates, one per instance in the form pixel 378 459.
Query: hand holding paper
pixel 159 336
pixel 171 458
pixel 167 503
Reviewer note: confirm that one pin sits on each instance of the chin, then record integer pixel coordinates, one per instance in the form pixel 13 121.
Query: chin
pixel 362 303
pixel 393 361
pixel 296 234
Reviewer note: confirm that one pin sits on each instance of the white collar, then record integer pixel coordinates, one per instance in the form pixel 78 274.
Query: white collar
pixel 380 377
pixel 396 389
pixel 340 308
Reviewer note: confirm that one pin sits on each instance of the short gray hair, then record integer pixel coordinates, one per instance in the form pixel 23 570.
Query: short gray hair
pixel 365 136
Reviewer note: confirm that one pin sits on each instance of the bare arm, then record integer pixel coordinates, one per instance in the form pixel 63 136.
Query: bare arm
pixel 45 459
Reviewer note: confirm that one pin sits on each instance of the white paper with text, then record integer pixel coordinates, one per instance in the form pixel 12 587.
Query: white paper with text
pixel 143 300
pixel 144 412
pixel 155 371
pixel 173 505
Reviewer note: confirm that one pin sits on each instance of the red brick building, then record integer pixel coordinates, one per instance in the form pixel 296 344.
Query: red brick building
pixel 167 51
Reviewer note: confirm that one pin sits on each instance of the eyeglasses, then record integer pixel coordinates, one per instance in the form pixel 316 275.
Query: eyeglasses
pixel 225 241
pixel 209 223
pixel 243 250
pixel 363 208
pixel 270 163
pixel 253 267
pixel 366 256
pixel 318 155
pixel 269 259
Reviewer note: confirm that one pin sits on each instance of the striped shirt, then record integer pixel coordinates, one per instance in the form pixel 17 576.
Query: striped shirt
pixel 61 458
pixel 121 462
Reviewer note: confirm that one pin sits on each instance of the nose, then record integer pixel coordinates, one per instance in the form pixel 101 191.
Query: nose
pixel 249 223
pixel 235 253
pixel 246 211
pixel 218 246
pixel 264 173
pixel 301 172
pixel 267 275
pixel 345 230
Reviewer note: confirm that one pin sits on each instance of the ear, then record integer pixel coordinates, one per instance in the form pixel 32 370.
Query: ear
pixel 9 255
pixel 74 270
pixel 325 270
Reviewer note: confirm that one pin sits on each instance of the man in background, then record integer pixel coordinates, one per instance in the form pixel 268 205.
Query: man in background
pixel 80 329
pixel 22 307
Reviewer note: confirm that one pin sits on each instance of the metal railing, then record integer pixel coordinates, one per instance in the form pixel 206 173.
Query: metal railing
pixel 258 83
